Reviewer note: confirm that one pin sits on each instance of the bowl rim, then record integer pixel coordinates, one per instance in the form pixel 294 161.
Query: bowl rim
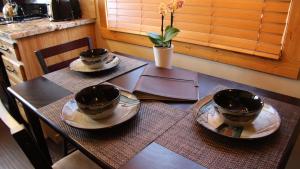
pixel 105 51
pixel 231 111
pixel 105 105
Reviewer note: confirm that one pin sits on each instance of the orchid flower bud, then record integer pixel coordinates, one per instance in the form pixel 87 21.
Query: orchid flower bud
pixel 163 9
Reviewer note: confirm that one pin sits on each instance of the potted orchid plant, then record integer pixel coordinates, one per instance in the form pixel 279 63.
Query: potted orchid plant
pixel 163 48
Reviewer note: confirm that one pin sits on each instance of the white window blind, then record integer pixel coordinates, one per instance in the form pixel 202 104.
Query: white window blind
pixel 249 26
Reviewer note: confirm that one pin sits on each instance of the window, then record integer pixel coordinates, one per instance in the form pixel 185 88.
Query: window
pixel 255 27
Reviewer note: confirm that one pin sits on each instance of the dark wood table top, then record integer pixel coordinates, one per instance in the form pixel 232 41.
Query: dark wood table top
pixel 40 92
pixel 160 158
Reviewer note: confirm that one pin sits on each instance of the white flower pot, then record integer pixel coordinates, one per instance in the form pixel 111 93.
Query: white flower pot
pixel 163 56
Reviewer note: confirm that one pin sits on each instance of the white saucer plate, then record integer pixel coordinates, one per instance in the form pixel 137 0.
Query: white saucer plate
pixel 111 62
pixel 267 122
pixel 127 108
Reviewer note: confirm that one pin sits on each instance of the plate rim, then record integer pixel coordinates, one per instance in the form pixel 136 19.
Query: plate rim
pixel 95 70
pixel 206 101
pixel 99 128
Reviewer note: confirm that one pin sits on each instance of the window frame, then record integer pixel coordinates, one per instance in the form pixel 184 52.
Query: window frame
pixel 287 66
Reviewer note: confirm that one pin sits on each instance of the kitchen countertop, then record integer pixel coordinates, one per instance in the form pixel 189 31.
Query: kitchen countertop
pixel 29 28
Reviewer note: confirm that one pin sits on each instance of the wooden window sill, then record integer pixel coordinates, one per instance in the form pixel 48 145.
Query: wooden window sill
pixel 281 67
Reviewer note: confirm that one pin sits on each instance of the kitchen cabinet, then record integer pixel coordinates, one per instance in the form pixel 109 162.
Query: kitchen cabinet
pixel 18 47
pixel 13 66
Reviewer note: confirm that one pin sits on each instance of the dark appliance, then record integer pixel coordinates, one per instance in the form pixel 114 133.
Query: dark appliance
pixel 33 8
pixel 59 10
pixel 27 10
pixel 1 4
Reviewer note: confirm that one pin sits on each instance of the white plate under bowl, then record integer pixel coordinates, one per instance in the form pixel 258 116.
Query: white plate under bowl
pixel 111 62
pixel 127 108
pixel 267 122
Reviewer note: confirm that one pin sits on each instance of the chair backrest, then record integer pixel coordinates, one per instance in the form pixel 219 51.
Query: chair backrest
pixel 25 142
pixel 59 49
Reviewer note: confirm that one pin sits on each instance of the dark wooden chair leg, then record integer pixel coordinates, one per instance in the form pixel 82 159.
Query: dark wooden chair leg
pixel 37 133
pixel 65 147
pixel 68 147
pixel 15 111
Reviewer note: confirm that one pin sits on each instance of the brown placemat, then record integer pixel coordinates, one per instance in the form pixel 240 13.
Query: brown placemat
pixel 117 146
pixel 75 81
pixel 196 143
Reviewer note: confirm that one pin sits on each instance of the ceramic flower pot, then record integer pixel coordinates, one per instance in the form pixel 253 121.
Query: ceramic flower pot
pixel 163 56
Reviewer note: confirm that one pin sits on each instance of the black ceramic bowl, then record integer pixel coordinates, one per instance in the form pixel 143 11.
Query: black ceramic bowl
pixel 238 107
pixel 98 101
pixel 94 58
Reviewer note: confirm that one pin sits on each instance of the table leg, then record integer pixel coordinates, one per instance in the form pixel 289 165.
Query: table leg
pixel 14 111
pixel 37 132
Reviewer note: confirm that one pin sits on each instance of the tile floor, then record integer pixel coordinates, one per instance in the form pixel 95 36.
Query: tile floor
pixel 56 150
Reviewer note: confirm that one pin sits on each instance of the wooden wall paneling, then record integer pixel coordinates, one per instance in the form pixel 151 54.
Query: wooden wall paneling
pixel 100 23
pixel 28 45
pixel 291 48
pixel 88 8
pixel 101 8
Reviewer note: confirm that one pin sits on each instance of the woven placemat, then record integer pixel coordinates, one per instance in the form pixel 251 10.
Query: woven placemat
pixel 75 81
pixel 117 146
pixel 196 143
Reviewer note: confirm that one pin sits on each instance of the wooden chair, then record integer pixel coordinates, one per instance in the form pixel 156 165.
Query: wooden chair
pixel 59 49
pixel 75 160
pixel 56 50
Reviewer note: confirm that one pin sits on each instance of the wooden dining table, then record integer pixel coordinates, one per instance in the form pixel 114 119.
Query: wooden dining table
pixel 159 152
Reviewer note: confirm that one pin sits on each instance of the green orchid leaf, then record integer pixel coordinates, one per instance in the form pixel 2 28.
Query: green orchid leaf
pixel 154 35
pixel 166 44
pixel 156 42
pixel 168 28
pixel 171 32
pixel 156 39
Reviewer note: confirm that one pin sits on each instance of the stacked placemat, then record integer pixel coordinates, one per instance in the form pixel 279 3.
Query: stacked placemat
pixel 75 81
pixel 191 140
pixel 116 146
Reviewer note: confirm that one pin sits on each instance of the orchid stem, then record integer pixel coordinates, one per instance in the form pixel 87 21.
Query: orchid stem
pixel 162 25
pixel 172 20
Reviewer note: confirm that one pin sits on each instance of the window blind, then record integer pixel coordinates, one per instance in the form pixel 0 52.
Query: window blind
pixel 254 27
